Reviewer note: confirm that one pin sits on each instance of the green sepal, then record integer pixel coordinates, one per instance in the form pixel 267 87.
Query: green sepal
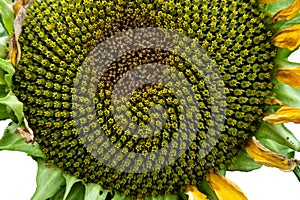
pixel 14 108
pixel 7 15
pixel 278 133
pixel 91 192
pixel 277 148
pixel 11 106
pixel 70 181
pixel 282 54
pixel 3 44
pixel 2 29
pixel 59 195
pixel 49 181
pixel 6 66
pixel 77 192
pixel 297 172
pixel 291 22
pixel 244 163
pixel 14 142
pixel 206 189
pixel 284 63
pixel 282 24
pixel 4 112
pixel 95 192
pixel 287 94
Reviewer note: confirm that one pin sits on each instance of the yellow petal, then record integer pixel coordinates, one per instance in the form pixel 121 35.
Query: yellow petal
pixel 283 115
pixel 290 76
pixel 224 188
pixel 288 38
pixel 289 12
pixel 264 156
pixel 194 193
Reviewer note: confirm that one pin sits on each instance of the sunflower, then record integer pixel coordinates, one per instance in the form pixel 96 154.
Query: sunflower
pixel 149 99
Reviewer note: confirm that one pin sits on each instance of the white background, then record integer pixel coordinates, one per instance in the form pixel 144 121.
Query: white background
pixel 18 172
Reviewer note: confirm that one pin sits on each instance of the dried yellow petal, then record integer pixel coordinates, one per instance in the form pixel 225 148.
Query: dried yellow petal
pixel 21 3
pixel 17 5
pixel 283 115
pixel 26 133
pixel 194 193
pixel 289 12
pixel 290 76
pixel 13 51
pixel 264 156
pixel 224 188
pixel 288 38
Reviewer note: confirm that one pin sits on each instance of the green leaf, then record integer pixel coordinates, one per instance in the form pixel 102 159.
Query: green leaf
pixel 95 192
pixel 297 172
pixel 278 133
pixel 287 94
pixel 277 148
pixel 77 192
pixel 3 44
pixel 244 163
pixel 7 14
pixel 14 142
pixel 70 181
pixel 49 181
pixel 15 107
pixel 4 114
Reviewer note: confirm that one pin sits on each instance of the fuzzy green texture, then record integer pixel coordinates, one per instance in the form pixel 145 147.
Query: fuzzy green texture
pixel 57 37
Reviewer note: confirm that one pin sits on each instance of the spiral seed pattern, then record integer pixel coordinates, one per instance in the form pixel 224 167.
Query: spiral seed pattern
pixel 59 35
